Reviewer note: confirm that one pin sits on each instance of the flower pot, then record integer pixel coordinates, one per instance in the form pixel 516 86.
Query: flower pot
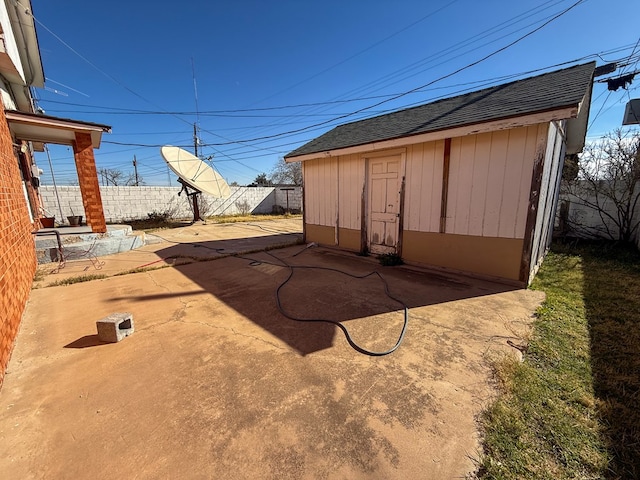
pixel 48 222
pixel 74 220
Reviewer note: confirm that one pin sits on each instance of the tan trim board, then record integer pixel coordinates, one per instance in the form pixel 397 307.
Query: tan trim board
pixel 321 234
pixel 490 256
pixel 349 239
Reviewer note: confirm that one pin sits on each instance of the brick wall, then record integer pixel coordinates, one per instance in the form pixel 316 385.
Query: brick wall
pixel 17 250
pixel 130 203
pixel 88 178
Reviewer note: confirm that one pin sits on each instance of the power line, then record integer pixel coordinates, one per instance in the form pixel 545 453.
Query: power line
pixel 443 77
pixel 389 37
pixel 331 102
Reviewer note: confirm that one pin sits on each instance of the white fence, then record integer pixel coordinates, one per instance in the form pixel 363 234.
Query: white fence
pixel 131 203
pixel 577 219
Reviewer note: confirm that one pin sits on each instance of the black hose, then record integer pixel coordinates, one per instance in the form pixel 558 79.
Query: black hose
pixel 344 329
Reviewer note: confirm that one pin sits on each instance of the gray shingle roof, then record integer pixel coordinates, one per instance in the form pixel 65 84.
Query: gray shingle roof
pixel 549 91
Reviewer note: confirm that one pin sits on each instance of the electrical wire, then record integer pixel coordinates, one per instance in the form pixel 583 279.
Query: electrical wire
pixel 442 77
pixel 248 143
pixel 370 47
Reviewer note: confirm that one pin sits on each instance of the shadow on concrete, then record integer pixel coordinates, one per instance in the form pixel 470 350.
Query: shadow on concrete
pixel 195 250
pixel 158 296
pixel 86 342
pixel 248 284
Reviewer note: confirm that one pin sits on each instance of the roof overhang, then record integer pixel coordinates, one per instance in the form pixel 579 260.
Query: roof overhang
pixel 23 25
pixel 47 129
pixel 577 126
pixel 501 124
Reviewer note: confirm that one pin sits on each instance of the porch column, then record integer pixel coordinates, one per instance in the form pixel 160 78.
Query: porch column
pixel 88 179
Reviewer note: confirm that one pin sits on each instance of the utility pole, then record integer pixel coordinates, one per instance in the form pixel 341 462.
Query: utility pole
pixel 195 140
pixel 135 169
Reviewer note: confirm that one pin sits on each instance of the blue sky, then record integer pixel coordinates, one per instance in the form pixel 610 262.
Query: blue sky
pixel 271 75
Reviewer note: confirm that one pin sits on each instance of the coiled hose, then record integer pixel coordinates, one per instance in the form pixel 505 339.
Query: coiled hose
pixel 344 329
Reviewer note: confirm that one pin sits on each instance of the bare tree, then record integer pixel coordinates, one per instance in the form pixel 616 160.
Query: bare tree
pixel 607 188
pixel 110 176
pixel 287 173
pixel 115 177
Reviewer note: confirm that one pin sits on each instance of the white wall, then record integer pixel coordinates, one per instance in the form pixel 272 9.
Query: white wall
pixel 130 203
pixel 593 225
pixel 423 186
pixel 489 182
pixel 321 187
pixel 10 44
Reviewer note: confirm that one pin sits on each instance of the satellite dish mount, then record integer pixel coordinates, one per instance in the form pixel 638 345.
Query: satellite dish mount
pixel 192 195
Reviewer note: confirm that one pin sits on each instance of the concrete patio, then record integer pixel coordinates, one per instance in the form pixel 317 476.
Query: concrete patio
pixel 216 383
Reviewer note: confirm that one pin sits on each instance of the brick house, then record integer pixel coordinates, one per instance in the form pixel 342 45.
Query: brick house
pixel 21 132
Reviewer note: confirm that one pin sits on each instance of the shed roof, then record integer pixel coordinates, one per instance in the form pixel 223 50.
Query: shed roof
pixel 550 91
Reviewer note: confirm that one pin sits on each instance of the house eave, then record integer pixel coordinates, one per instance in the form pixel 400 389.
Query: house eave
pixel 23 24
pixel 48 129
pixel 577 126
pixel 569 112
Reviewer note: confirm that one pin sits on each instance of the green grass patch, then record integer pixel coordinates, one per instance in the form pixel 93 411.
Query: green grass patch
pixel 571 410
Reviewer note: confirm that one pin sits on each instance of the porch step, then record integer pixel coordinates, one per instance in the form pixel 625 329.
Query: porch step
pixel 84 244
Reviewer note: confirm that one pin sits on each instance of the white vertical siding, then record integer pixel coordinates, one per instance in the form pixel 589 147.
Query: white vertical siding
pixel 488 191
pixel 423 186
pixel 333 191
pixel 321 190
pixel 351 181
pixel 489 180
pixel 481 169
pixel 553 161
pixel 521 154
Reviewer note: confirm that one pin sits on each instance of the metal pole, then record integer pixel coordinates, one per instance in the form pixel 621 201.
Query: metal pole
pixel 195 140
pixel 53 178
pixel 135 169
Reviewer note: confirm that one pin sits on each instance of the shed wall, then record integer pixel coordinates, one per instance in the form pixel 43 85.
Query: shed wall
pixel 488 189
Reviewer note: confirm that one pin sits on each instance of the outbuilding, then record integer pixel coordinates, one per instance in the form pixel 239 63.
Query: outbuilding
pixel 468 183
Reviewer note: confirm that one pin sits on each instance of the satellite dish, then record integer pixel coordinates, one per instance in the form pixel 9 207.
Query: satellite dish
pixel 194 172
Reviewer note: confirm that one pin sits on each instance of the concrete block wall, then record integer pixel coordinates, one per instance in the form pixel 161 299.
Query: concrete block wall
pixel 294 198
pixel 17 247
pixel 130 203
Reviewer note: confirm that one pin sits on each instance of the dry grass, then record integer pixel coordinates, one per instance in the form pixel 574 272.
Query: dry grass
pixel 78 279
pixel 572 408
pixel 157 223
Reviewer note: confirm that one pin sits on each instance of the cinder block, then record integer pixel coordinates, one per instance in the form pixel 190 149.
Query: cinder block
pixel 115 327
